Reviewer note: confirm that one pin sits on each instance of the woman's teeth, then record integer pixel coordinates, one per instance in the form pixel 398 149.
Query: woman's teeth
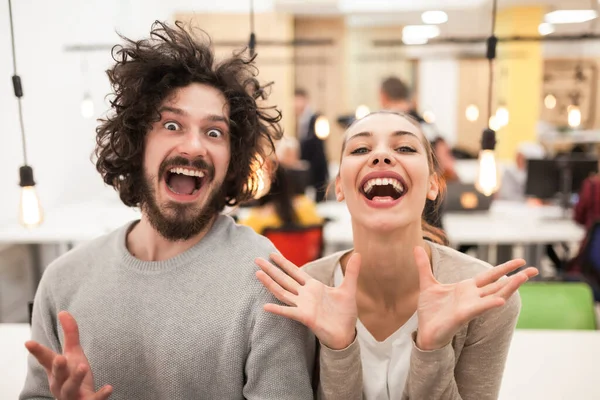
pixel 395 183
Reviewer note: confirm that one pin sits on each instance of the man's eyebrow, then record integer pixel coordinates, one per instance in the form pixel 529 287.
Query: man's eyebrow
pixel 173 110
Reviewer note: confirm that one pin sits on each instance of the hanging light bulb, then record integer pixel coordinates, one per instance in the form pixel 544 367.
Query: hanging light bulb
pixel 493 123
pixel 488 179
pixel 30 209
pixel 550 101
pixel 574 116
pixel 472 113
pixel 322 127
pixel 361 111
pixel 502 116
pixel 429 116
pixel 87 106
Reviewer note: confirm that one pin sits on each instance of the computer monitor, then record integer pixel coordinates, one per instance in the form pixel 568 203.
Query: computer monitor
pixel 464 197
pixel 561 176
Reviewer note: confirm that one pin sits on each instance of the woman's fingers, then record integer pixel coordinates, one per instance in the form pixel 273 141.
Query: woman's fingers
pixel 290 268
pixel 276 274
pixel 493 274
pixel 483 305
pixel 287 312
pixel 280 293
pixel 495 287
pixel 514 282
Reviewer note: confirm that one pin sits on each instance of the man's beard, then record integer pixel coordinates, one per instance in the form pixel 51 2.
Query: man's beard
pixel 176 221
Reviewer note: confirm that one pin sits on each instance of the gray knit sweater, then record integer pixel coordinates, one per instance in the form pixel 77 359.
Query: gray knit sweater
pixel 191 327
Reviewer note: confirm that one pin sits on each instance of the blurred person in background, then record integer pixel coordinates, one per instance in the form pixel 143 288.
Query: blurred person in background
pixel 312 149
pixel 281 206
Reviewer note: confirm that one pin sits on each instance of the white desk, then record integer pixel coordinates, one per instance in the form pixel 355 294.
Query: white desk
pixel 13 359
pixel 549 365
pixel 505 223
pixel 71 223
pixel 552 365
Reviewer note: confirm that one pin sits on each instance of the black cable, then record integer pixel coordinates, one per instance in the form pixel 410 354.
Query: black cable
pixel 251 16
pixel 252 42
pixel 491 55
pixel 17 82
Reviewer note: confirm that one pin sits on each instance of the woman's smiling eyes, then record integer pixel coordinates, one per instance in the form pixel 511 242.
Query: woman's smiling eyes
pixel 401 149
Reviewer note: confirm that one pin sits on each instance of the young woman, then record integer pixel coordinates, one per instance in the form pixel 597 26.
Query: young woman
pixel 430 322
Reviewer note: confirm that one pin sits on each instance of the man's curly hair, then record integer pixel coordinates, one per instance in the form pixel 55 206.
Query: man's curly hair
pixel 146 73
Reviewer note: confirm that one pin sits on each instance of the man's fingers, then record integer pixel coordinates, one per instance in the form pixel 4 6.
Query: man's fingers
pixel 70 330
pixel 103 394
pixel 42 354
pixel 70 388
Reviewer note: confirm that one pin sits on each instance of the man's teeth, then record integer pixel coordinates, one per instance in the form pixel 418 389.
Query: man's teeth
pixel 188 172
pixel 368 186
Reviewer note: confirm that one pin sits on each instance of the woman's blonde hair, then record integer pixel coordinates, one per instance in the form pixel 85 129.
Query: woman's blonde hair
pixel 430 232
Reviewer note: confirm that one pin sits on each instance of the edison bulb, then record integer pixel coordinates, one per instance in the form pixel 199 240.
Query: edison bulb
pixel 494 124
pixel 502 116
pixel 322 127
pixel 488 180
pixel 30 209
pixel 574 116
pixel 361 111
pixel 472 113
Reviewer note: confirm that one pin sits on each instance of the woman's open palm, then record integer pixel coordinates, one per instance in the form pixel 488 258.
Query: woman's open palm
pixel 329 312
pixel 444 308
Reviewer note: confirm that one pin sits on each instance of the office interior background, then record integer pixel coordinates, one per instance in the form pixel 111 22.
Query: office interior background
pixel 544 93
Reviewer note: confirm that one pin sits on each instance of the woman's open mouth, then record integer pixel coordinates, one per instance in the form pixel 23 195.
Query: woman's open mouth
pixel 383 189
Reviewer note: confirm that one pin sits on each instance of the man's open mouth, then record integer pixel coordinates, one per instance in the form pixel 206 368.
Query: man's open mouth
pixel 184 181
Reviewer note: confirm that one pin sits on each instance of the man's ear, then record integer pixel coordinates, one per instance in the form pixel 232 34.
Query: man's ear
pixel 339 194
pixel 434 188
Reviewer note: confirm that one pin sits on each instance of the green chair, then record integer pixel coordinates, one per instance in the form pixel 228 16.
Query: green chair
pixel 557 305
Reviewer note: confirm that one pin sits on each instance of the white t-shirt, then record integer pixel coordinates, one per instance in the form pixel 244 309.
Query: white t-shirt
pixel 385 364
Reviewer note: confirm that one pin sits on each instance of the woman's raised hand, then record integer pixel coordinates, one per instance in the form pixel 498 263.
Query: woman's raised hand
pixel 444 308
pixel 330 312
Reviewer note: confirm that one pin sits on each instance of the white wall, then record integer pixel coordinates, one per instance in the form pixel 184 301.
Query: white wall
pixel 60 140
pixel 438 92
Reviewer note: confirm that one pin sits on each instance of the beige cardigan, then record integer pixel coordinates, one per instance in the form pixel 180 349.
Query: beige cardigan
pixel 471 367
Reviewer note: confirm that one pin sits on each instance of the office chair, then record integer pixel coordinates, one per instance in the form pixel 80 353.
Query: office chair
pixel 299 244
pixel 557 305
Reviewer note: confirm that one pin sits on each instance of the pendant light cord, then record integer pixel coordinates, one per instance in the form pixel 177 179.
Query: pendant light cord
pixel 491 55
pixel 17 82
